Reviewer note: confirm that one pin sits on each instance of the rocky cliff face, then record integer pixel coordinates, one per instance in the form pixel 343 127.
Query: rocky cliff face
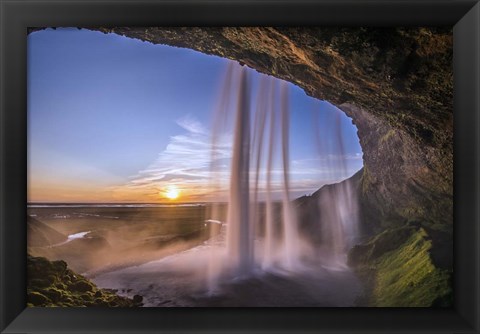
pixel 395 83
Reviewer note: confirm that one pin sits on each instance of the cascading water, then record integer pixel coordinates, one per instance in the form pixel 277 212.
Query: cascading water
pixel 239 238
pixel 262 231
pixel 290 234
pixel 338 204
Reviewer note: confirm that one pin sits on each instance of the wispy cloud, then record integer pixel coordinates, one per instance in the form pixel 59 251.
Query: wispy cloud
pixel 185 162
pixel 200 168
pixel 192 125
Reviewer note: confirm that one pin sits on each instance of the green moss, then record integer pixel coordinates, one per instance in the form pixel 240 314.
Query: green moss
pixel 398 270
pixel 53 294
pixel 36 298
pixel 407 276
pixel 41 283
pixel 81 286
pixel 52 284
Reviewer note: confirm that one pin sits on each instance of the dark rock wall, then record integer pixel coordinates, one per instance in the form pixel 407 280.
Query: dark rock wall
pixel 399 182
pixel 395 83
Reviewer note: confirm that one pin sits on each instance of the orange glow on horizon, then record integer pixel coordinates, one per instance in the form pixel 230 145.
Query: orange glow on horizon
pixel 172 192
pixel 74 192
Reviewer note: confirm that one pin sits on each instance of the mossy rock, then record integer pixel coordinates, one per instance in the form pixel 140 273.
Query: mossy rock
pixel 398 270
pixel 100 302
pixel 380 244
pixel 37 299
pixel 60 266
pixel 68 301
pixel 113 304
pixel 81 286
pixel 52 284
pixel 41 283
pixel 53 294
pixel 87 297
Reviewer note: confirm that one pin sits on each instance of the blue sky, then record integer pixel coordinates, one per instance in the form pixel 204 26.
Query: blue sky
pixel 116 119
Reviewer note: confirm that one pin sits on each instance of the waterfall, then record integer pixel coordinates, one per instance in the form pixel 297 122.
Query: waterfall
pixel 239 238
pixel 269 251
pixel 337 203
pixel 262 227
pixel 290 234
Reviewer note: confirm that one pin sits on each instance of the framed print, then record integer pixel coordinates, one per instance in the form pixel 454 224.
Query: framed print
pixel 244 166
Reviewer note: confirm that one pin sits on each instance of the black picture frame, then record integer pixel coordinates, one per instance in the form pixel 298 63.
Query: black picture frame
pixel 17 16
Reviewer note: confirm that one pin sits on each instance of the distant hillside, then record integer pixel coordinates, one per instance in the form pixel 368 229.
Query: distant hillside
pixel 41 235
pixel 308 206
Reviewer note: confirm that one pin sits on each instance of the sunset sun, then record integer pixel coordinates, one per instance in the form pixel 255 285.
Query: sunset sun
pixel 172 192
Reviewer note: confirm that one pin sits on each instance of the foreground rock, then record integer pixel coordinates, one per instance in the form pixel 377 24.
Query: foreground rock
pixel 51 284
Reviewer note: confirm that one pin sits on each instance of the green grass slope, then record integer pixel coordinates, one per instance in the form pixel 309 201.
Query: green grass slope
pixel 401 269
